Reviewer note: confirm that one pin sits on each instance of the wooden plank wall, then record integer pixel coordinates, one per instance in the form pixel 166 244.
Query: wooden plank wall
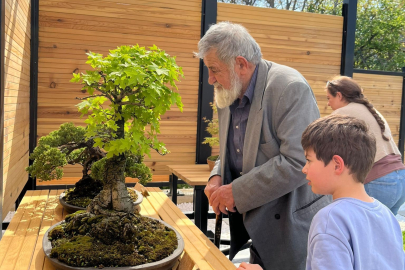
pixel 308 42
pixel 16 103
pixel 385 93
pixel 70 28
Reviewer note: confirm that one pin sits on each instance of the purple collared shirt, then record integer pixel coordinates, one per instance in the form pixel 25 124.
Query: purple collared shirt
pixel 237 128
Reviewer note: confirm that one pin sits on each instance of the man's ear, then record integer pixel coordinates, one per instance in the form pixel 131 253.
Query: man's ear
pixel 338 164
pixel 241 64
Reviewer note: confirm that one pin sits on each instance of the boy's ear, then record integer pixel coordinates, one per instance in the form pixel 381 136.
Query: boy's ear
pixel 339 164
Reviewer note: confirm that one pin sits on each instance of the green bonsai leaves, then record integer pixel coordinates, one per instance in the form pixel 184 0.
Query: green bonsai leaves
pixel 135 83
pixel 129 90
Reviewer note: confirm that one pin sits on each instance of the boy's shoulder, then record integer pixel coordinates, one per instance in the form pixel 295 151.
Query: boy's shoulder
pixel 345 211
pixel 333 210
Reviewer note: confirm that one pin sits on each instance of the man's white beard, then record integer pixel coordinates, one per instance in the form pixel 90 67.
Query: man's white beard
pixel 225 97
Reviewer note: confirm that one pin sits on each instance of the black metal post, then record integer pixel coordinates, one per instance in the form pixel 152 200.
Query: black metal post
pixel 349 13
pixel 205 91
pixel 173 187
pixel 32 183
pixel 2 85
pixel 200 208
pixel 401 140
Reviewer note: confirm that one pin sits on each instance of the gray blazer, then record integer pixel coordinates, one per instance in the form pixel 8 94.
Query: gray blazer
pixel 272 193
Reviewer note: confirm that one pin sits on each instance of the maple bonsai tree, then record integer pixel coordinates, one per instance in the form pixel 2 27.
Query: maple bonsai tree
pixel 129 90
pixel 132 83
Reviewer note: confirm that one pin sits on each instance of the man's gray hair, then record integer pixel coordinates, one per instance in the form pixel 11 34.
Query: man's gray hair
pixel 231 40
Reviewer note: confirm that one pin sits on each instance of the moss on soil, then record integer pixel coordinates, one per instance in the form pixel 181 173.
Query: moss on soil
pixel 213 158
pixel 88 240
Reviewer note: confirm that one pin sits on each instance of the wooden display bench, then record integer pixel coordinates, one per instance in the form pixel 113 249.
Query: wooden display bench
pixel 21 245
pixel 195 175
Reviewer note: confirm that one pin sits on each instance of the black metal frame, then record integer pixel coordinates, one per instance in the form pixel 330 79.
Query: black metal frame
pixel 2 85
pixel 31 184
pixel 380 72
pixel 349 13
pixel 401 140
pixel 205 91
pixel 174 180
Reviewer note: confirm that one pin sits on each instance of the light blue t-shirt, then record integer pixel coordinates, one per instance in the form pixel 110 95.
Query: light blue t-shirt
pixel 352 234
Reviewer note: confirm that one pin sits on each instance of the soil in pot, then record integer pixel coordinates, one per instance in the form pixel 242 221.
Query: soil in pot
pixel 119 239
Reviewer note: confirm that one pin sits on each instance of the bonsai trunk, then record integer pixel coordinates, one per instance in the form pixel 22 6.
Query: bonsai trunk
pixel 114 195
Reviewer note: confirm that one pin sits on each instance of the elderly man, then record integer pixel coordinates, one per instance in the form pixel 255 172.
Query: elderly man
pixel 263 109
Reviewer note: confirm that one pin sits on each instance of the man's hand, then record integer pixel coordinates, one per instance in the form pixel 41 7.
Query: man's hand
pixel 222 199
pixel 214 183
pixel 248 266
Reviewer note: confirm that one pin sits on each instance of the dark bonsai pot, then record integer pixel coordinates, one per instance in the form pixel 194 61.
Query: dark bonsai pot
pixel 165 264
pixel 72 208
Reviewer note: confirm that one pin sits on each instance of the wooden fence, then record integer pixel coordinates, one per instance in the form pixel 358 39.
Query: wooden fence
pixel 70 28
pixel 16 102
pixel 385 93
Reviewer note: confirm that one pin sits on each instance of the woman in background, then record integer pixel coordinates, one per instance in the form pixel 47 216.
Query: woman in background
pixel 386 180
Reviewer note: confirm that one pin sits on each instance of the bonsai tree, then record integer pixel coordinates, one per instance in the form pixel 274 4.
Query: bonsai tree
pixel 69 146
pixel 135 83
pixel 213 129
pixel 129 90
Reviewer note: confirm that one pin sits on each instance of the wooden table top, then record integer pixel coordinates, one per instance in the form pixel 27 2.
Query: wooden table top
pixel 194 174
pixel 21 245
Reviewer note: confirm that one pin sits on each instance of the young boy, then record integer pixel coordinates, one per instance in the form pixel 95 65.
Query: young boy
pixel 355 231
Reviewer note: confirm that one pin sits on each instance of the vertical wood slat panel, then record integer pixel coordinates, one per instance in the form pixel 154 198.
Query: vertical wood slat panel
pixel 385 93
pixel 69 29
pixel 16 117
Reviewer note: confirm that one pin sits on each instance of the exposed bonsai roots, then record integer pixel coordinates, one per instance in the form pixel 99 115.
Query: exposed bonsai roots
pixel 114 194
pixel 85 190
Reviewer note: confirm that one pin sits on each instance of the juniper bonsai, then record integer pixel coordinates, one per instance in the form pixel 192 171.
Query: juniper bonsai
pixel 69 146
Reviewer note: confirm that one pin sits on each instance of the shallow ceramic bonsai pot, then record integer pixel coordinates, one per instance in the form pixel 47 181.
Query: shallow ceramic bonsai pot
pixel 72 208
pixel 165 264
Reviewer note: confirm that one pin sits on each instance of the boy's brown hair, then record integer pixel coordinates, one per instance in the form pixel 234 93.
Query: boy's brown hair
pixel 344 136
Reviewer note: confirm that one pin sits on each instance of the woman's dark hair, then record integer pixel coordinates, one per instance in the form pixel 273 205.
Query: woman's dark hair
pixel 352 92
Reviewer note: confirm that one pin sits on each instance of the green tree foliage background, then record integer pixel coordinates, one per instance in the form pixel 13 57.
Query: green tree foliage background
pixel 380 28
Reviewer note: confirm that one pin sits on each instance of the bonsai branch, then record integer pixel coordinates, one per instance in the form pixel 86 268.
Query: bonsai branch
pixel 136 104
pixel 157 150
